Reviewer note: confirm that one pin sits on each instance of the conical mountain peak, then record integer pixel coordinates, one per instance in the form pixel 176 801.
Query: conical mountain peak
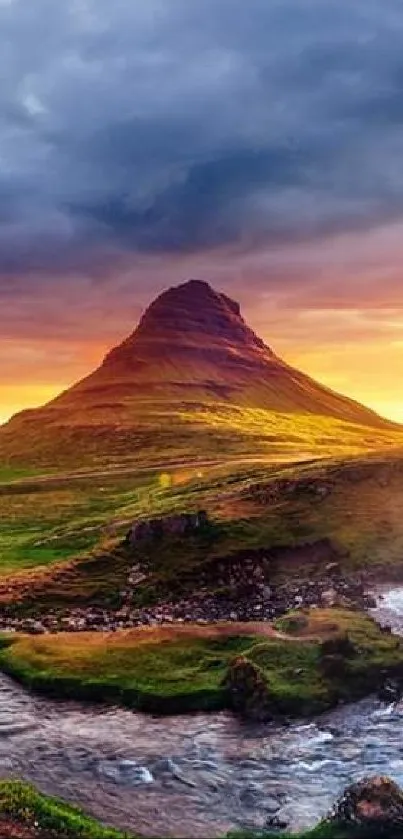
pixel 193 305
pixel 191 363
pixel 191 317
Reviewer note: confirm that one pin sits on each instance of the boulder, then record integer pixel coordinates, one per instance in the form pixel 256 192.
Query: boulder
pixel 340 644
pixel 390 691
pixel 180 524
pixel 248 690
pixel 373 806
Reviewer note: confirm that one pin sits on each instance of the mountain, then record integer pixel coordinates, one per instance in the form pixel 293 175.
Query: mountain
pixel 192 374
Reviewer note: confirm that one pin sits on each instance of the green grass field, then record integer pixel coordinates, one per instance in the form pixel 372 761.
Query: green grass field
pixel 59 537
pixel 143 432
pixel 181 669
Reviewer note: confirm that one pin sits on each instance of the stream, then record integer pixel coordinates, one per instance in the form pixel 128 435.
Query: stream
pixel 199 775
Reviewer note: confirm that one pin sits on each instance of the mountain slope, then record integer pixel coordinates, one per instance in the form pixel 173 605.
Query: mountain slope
pixel 191 375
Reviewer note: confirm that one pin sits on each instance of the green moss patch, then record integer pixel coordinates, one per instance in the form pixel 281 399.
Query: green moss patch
pixel 161 670
pixel 50 818
pixel 188 668
pixel 340 656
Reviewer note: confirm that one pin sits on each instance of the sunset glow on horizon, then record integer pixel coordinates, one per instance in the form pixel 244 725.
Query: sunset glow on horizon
pixel 356 352
pixel 256 146
pixel 341 379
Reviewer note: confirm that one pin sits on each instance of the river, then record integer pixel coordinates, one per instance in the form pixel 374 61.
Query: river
pixel 199 775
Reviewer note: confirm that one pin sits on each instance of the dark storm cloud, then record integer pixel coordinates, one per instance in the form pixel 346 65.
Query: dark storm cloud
pixel 177 126
pixel 208 207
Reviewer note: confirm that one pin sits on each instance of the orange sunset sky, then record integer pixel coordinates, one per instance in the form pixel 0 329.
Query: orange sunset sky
pixel 332 308
pixel 258 146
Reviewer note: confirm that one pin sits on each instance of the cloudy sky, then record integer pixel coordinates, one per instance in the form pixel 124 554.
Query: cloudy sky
pixel 257 145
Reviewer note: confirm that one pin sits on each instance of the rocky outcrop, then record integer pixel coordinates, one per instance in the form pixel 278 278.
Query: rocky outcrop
pixel 181 524
pixel 390 691
pixel 373 806
pixel 340 644
pixel 334 657
pixel 247 689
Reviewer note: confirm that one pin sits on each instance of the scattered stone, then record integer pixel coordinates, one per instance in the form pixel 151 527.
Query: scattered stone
pixel 241 593
pixel 163 765
pixel 322 491
pixel 276 822
pixel 329 597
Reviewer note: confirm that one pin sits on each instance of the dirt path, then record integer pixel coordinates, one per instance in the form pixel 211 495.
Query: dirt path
pixel 267 630
pixel 171 632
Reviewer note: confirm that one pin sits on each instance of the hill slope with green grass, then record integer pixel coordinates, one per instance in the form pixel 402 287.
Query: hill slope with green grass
pixel 61 540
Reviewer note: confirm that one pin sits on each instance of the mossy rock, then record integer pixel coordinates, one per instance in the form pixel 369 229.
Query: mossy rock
pixel 341 644
pixel 247 689
pixel 373 805
pixel 334 666
pixel 295 623
pixel 369 809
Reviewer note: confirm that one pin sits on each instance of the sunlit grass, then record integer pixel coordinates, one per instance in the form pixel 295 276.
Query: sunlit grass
pixel 178 669
pixel 21 804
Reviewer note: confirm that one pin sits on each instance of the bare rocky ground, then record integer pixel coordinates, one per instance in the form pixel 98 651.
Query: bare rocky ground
pixel 252 600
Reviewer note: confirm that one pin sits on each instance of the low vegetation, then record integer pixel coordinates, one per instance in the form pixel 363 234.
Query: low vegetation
pixel 159 670
pixel 59 540
pixel 307 664
pixel 26 814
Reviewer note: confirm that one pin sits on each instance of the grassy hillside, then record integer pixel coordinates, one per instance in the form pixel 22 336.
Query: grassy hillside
pixel 145 431
pixel 59 540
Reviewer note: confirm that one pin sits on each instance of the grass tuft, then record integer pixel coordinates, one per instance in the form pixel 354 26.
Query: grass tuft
pixel 47 817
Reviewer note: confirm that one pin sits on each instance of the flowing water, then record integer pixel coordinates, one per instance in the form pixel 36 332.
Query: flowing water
pixel 199 775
